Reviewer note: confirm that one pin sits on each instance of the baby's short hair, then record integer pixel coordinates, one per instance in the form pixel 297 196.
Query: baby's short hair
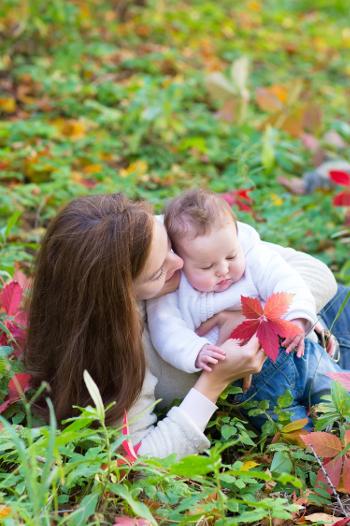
pixel 195 212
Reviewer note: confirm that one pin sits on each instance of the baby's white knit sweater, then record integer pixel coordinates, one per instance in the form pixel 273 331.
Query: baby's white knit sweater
pixel 173 318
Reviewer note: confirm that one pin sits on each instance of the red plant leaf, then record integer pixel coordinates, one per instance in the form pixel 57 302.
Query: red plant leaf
pixel 130 450
pixel 342 378
pixel 240 198
pixel 285 328
pixel 342 522
pixel 342 199
pixel 333 469
pixel 22 279
pixel 123 520
pixel 340 177
pixel 10 297
pixel 324 444
pixel 245 330
pixel 269 340
pixel 18 384
pixel 277 305
pixel 346 474
pixel 347 439
pixel 251 307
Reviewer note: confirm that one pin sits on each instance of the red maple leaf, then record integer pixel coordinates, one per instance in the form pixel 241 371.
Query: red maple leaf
pixel 337 466
pixel 266 322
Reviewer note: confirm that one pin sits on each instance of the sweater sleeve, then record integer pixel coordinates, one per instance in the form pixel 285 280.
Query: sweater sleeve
pixel 176 343
pixel 317 276
pixel 271 273
pixel 180 432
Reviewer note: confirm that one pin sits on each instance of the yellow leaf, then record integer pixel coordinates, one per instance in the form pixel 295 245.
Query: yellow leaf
pixel 253 5
pixel 74 129
pixel 249 464
pixel 294 426
pixel 7 105
pixel 276 200
pixel 267 100
pixel 139 167
pixel 92 169
pixel 4 511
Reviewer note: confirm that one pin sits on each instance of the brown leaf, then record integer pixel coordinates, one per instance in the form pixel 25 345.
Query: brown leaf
pixel 312 119
pixel 267 100
pixel 324 444
pixel 228 111
pixel 321 517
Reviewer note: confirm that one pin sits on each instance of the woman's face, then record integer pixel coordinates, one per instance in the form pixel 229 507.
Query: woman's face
pixel 160 274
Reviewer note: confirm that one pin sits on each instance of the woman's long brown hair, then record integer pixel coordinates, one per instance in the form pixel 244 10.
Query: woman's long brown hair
pixel 83 312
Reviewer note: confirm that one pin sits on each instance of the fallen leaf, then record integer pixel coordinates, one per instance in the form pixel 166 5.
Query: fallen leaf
pixel 267 100
pixel 321 517
pixel 5 511
pixel 7 105
pixel 332 138
pixel 324 444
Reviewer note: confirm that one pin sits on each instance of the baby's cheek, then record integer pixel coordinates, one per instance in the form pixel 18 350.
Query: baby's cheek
pixel 204 283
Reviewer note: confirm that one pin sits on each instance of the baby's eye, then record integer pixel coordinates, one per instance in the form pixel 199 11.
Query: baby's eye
pixel 207 268
pixel 230 257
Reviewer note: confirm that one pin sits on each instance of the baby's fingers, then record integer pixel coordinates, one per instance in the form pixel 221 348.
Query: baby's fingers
pixel 219 355
pixel 291 344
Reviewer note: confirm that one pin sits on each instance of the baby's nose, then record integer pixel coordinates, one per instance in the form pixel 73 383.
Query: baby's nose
pixel 222 269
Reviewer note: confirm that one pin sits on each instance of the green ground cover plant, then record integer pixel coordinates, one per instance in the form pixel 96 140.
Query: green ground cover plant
pixel 150 98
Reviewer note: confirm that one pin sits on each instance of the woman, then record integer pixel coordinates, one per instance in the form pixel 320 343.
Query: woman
pixel 100 258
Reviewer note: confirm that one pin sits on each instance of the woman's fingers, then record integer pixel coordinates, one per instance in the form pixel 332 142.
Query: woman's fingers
pixel 247 382
pixel 208 325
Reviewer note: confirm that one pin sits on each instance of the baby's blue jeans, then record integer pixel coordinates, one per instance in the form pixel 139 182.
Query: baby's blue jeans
pixel 304 377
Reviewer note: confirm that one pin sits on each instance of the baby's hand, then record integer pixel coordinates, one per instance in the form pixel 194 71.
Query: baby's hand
pixel 209 355
pixel 296 343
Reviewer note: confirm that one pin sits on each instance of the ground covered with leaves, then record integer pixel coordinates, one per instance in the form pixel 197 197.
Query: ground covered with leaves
pixel 249 99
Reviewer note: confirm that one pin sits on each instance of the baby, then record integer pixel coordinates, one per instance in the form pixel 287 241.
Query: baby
pixel 223 259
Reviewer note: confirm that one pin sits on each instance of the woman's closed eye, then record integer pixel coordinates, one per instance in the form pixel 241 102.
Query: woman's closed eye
pixel 158 275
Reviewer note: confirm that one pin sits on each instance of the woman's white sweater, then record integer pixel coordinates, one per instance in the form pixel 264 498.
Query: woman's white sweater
pixel 181 431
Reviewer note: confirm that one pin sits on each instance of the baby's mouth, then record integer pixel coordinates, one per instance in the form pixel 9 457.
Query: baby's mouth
pixel 226 281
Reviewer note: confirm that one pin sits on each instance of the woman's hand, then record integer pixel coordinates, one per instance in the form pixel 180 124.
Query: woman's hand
pixel 328 341
pixel 240 362
pixel 226 320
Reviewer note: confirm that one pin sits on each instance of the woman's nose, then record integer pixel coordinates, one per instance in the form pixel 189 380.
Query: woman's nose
pixel 174 262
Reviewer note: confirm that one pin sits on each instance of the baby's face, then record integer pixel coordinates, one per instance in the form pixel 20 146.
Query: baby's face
pixel 214 261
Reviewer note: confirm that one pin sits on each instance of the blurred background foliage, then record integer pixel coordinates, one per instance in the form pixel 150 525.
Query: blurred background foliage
pixel 151 97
